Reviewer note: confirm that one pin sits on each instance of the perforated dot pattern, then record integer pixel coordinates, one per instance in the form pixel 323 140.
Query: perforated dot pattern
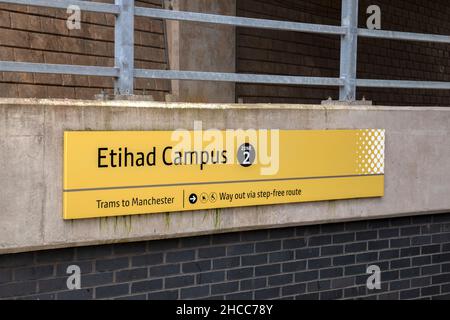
pixel 370 151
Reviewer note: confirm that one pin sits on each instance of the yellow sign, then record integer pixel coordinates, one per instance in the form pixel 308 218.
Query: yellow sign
pixel 131 172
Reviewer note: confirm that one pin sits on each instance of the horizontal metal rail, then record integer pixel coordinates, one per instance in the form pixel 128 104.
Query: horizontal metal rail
pixel 408 36
pixel 64 4
pixel 403 84
pixel 236 77
pixel 347 32
pixel 8 66
pixel 238 21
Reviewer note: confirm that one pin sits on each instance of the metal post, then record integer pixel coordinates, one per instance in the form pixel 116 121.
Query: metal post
pixel 349 50
pixel 124 47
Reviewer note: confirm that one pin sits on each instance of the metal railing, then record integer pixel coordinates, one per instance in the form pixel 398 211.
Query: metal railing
pixel 124 71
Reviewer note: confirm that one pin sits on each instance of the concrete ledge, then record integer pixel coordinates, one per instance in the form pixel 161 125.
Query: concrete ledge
pixel 31 160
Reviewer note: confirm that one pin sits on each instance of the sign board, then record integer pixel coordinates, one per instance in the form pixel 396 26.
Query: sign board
pixel 140 172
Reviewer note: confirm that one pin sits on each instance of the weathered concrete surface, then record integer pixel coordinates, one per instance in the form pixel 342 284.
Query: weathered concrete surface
pixel 31 166
pixel 202 47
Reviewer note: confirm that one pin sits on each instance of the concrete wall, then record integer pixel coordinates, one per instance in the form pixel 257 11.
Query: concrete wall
pixel 202 47
pixel 31 161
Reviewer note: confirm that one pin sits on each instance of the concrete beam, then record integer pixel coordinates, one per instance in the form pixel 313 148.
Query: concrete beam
pixel 31 166
pixel 202 47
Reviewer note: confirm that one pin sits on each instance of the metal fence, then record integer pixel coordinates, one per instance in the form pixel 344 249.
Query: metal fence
pixel 124 71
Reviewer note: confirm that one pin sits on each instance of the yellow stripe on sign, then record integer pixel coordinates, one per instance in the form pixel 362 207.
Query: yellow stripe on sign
pixel 127 173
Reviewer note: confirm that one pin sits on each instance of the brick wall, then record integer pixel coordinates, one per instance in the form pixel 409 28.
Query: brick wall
pixel 33 34
pixel 39 35
pixel 313 262
pixel 288 53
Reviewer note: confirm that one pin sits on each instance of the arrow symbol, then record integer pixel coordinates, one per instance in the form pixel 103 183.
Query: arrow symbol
pixel 193 198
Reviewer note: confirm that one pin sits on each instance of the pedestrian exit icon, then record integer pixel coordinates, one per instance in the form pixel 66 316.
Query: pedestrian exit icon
pixel 193 198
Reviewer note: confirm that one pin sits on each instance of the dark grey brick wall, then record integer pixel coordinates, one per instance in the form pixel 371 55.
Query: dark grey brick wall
pixel 290 53
pixel 313 262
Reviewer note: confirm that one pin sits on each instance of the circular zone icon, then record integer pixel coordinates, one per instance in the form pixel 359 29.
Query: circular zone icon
pixel 246 155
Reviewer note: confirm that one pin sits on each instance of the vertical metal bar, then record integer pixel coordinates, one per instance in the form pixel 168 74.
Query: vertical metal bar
pixel 124 47
pixel 349 50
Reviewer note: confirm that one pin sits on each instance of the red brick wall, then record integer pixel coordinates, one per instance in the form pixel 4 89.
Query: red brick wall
pixel 33 34
pixel 288 53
